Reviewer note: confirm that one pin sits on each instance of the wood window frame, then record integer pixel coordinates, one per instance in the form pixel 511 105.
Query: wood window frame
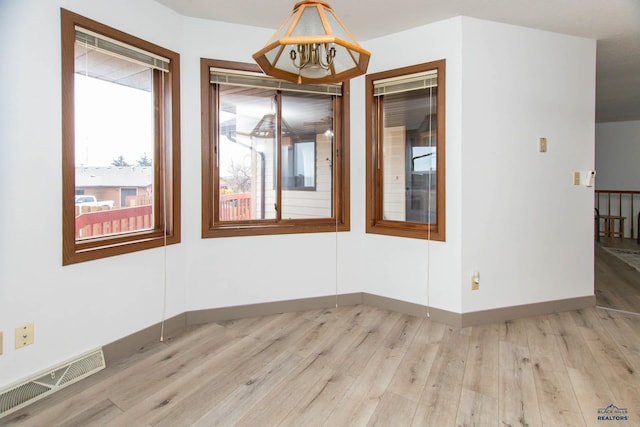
pixel 166 205
pixel 375 223
pixel 211 227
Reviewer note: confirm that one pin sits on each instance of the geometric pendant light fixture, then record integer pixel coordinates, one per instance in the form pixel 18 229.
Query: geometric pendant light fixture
pixel 313 46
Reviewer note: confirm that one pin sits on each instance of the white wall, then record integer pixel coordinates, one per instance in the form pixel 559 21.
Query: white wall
pixel 398 267
pixel 512 213
pixel 240 270
pixel 78 307
pixel 83 306
pixel 618 156
pixel 525 228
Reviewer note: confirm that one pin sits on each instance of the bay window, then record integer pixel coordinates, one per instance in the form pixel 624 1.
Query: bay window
pixel 406 151
pixel 274 153
pixel 121 138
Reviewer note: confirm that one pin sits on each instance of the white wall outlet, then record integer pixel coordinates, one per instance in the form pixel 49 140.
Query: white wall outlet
pixel 24 335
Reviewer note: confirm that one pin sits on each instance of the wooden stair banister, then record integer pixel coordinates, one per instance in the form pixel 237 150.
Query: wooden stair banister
pixel 621 203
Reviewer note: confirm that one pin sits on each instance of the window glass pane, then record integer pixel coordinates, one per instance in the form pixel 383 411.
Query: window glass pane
pixel 283 136
pixel 114 145
pixel 247 153
pixel 409 156
pixel 298 165
pixel 307 156
pixel 304 169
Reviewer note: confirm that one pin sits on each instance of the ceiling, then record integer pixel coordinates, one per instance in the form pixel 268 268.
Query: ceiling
pixel 615 24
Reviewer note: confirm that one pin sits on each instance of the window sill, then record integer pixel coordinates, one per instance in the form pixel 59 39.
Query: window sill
pixel 236 229
pixel 406 229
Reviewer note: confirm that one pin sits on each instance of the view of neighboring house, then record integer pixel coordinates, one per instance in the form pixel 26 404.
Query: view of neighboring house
pixel 126 186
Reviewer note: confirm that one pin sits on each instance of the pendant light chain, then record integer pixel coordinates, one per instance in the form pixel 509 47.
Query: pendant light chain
pixel 429 208
pixel 335 210
pixel 164 236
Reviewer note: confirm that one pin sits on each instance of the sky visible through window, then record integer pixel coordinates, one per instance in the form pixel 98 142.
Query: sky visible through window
pixel 112 120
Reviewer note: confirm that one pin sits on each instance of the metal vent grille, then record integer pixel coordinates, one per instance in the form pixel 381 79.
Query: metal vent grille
pixel 20 395
pixel 43 384
pixel 83 368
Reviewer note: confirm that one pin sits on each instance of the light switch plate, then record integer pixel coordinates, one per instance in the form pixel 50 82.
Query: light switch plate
pixel 542 145
pixel 1 341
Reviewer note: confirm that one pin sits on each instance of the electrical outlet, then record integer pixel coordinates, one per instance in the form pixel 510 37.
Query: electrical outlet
pixel 475 281
pixel 24 335
pixel 1 341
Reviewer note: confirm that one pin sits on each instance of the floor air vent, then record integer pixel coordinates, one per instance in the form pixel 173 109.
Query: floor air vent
pixel 41 385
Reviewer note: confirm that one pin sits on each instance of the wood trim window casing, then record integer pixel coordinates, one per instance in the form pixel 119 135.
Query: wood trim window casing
pixel 211 226
pixel 375 223
pixel 166 150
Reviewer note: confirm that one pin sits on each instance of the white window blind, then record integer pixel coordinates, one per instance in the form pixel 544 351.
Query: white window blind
pixel 247 79
pixel 107 45
pixel 406 83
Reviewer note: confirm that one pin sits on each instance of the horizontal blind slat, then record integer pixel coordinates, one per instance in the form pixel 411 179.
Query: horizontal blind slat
pixel 113 47
pixel 405 83
pixel 220 76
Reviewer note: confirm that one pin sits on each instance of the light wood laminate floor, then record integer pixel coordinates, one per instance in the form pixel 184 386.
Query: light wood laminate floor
pixel 360 365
